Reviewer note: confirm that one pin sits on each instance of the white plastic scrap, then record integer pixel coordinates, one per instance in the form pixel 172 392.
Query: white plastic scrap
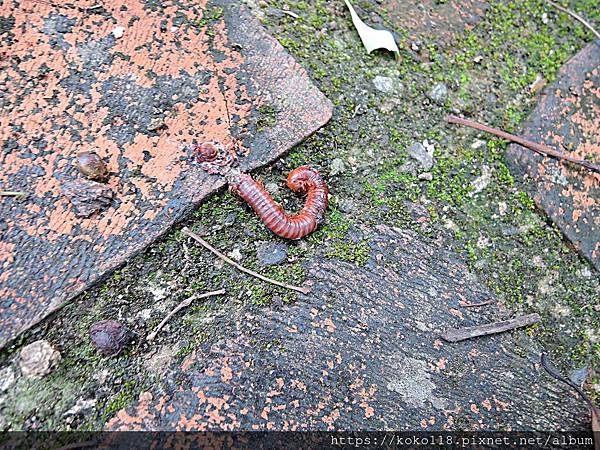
pixel 371 38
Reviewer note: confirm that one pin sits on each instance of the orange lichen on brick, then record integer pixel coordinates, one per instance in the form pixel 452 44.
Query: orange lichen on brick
pixel 7 252
pixel 226 374
pixel 500 405
pixel 369 411
pixel 441 364
pixel 331 418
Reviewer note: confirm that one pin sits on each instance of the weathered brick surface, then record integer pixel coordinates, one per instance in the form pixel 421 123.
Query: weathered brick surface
pixel 362 352
pixel 567 118
pixel 182 72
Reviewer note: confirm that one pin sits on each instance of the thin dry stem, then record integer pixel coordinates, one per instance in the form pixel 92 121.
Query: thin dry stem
pixel 474 305
pixel 184 304
pixel 540 148
pixel 187 232
pixel 460 334
pixel 576 16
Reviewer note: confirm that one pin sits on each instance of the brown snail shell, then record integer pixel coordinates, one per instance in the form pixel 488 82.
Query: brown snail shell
pixel 92 166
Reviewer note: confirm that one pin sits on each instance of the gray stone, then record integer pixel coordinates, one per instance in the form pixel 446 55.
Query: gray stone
pixel 439 93
pixel 423 155
pixel 236 254
pixel 383 84
pixel 481 182
pixel 7 378
pixel 269 254
pixel 346 205
pixel 230 219
pixel 38 359
pixel 578 376
pixel 337 167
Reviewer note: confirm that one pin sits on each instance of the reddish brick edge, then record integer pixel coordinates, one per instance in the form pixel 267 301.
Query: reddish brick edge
pixel 72 85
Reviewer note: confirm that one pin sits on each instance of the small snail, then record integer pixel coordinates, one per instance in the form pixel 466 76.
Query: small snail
pixel 92 166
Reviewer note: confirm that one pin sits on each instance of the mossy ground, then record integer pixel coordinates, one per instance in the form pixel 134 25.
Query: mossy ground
pixel 511 246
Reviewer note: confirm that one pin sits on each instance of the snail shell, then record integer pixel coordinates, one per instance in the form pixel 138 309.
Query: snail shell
pixel 92 166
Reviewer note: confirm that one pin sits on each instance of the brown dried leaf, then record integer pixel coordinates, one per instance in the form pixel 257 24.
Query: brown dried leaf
pixel 87 196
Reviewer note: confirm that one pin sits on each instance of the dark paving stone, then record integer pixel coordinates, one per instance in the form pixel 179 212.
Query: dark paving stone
pixel 362 352
pixel 180 73
pixel 567 118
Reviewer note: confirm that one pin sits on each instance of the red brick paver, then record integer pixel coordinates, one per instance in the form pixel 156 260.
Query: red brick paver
pixel 568 118
pixel 136 82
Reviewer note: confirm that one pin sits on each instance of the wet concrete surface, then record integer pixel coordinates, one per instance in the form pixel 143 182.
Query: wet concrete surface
pixel 136 82
pixel 363 351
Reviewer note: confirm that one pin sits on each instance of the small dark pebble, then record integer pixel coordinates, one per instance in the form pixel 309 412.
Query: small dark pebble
pixel 109 337
pixel 230 219
pixel 271 254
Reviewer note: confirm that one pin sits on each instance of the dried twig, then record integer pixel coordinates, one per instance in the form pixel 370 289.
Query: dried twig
pixel 575 16
pixel 456 335
pixel 184 304
pixel 13 194
pixel 474 305
pixel 187 232
pixel 540 148
pixel 553 371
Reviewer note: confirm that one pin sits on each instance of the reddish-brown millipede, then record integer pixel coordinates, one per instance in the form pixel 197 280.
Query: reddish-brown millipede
pixel 215 158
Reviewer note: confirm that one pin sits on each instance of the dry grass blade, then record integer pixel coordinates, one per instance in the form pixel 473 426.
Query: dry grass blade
pixel 12 194
pixel 184 304
pixel 187 232
pixel 540 148
pixel 576 16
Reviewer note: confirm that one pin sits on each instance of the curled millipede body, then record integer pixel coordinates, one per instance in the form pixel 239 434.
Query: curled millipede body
pixel 303 180
pixel 215 158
